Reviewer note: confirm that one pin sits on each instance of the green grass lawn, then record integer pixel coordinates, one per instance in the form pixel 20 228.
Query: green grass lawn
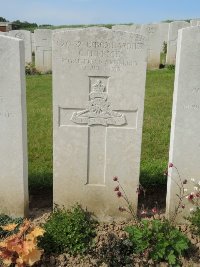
pixel 156 130
pixel 39 109
pixel 156 127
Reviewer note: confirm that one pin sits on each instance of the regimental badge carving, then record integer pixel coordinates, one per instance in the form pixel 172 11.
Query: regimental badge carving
pixel 20 35
pixel 99 110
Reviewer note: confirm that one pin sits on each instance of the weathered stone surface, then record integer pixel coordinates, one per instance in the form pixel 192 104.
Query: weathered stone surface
pixel 98 97
pixel 33 42
pixel 13 133
pixel 152 33
pixel 68 29
pixel 135 28
pixel 43 50
pixel 3 33
pixel 26 37
pixel 194 22
pixel 172 40
pixel 185 126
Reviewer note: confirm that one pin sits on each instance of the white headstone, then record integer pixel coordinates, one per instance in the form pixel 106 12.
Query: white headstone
pixel 172 40
pixel 135 28
pixel 152 33
pixel 43 50
pixel 98 99
pixel 33 42
pixel 185 126
pixel 13 133
pixel 26 37
pixel 194 22
pixel 164 29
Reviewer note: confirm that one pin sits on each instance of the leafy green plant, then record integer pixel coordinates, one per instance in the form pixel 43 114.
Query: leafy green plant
pixel 5 220
pixel 164 47
pixel 170 67
pixel 158 239
pixel 194 219
pixel 69 231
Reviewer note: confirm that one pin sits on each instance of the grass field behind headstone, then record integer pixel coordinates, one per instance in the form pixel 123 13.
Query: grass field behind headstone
pixel 39 110
pixel 156 130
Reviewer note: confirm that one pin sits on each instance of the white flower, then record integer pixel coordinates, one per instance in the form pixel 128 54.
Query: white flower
pixel 199 183
pixel 192 179
pixel 195 188
pixel 185 189
pixel 191 209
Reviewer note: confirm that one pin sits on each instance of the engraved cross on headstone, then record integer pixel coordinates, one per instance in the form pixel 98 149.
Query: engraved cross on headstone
pixel 99 117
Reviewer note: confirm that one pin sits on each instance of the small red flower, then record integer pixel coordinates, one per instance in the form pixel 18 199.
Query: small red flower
pixel 119 194
pixel 183 206
pixel 154 210
pixel 116 188
pixel 190 197
pixel 171 165
pixel 115 178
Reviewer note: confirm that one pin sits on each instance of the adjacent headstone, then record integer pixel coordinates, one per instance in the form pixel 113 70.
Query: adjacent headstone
pixel 185 126
pixel 69 29
pixel 33 42
pixel 26 37
pixel 194 22
pixel 135 28
pixel 172 40
pixel 43 50
pixel 13 133
pixel 152 33
pixel 98 100
pixel 164 29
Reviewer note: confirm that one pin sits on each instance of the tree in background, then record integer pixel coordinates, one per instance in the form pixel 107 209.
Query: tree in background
pixel 2 19
pixel 17 24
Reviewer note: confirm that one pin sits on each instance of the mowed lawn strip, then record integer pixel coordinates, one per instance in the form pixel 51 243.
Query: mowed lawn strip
pixel 39 110
pixel 156 128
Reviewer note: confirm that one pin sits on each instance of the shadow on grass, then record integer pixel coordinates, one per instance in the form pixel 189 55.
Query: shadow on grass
pixel 40 191
pixel 148 179
pixel 40 181
pixel 155 185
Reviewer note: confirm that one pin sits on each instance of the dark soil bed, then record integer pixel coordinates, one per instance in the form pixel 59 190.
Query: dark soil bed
pixel 110 250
